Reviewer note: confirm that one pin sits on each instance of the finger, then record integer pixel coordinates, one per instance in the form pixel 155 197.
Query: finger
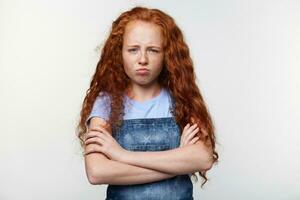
pixel 189 130
pixel 194 140
pixel 91 134
pixel 192 134
pixel 103 130
pixel 182 138
pixel 101 136
pixel 94 140
pixel 93 149
pixel 184 134
pixel 94 134
pixel 184 141
pixel 97 128
pixel 193 126
pixel 106 133
pixel 185 129
pixel 186 126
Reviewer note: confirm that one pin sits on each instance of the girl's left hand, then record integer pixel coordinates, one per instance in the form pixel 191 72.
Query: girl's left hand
pixel 106 144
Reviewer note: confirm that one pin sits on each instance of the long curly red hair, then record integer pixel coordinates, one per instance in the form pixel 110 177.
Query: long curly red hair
pixel 177 76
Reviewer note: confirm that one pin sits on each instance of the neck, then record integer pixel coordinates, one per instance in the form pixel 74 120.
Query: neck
pixel 142 93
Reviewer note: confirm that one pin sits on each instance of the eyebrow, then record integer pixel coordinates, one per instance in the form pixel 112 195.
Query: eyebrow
pixel 148 46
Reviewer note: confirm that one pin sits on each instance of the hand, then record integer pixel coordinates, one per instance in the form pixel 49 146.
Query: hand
pixel 187 136
pixel 106 144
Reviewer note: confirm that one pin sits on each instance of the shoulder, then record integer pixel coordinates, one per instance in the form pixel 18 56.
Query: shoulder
pixel 103 95
pixel 101 107
pixel 102 98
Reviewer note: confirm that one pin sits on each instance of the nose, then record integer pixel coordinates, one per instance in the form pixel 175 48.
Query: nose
pixel 143 59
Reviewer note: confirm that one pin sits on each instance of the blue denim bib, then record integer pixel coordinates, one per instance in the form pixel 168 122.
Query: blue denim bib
pixel 151 134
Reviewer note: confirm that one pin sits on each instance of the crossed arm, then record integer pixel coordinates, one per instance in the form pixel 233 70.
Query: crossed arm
pixel 144 167
pixel 179 161
pixel 101 170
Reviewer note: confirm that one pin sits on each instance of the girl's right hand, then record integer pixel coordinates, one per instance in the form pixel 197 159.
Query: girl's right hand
pixel 188 133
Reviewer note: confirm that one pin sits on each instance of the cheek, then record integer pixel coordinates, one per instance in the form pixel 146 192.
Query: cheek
pixel 158 63
pixel 128 60
pixel 128 68
pixel 158 59
pixel 158 69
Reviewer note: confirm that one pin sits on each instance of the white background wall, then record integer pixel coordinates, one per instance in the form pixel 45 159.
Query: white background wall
pixel 247 58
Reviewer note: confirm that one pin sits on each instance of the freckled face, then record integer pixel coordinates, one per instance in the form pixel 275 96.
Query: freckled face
pixel 142 48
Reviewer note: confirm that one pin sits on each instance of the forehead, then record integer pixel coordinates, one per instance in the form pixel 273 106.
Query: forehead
pixel 140 32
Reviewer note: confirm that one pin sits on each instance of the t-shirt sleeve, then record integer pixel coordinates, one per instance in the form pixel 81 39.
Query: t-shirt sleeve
pixel 101 108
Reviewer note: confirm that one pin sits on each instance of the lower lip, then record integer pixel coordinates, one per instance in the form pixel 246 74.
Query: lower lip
pixel 143 72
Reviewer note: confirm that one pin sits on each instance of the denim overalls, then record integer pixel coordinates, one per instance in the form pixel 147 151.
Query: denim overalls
pixel 151 134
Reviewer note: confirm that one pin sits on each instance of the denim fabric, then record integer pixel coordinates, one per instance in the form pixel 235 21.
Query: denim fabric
pixel 151 134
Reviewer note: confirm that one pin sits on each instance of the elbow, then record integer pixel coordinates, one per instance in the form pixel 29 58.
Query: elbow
pixel 206 163
pixel 93 180
pixel 205 157
pixel 94 177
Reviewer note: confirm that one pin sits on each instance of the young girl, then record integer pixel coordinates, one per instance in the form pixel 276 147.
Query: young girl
pixel 144 125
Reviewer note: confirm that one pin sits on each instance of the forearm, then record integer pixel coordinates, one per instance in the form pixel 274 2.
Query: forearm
pixel 183 160
pixel 125 174
pixel 117 173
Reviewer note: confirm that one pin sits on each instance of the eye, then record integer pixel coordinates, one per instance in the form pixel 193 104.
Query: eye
pixel 132 50
pixel 154 50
